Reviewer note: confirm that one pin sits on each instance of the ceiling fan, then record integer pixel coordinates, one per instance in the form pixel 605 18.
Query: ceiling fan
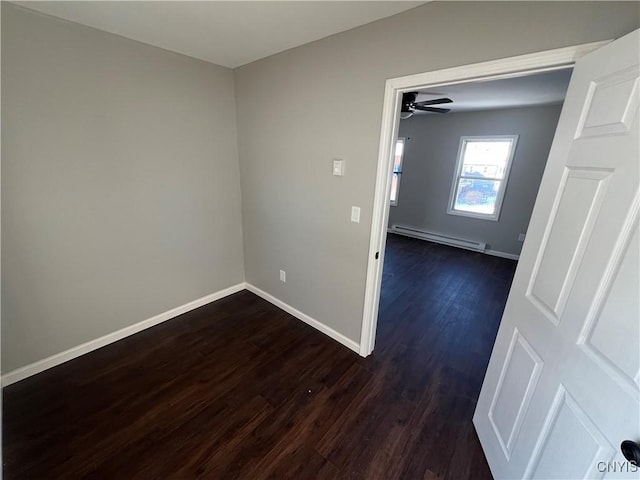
pixel 409 105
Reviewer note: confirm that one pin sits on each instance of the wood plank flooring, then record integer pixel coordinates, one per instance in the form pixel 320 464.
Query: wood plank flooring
pixel 240 389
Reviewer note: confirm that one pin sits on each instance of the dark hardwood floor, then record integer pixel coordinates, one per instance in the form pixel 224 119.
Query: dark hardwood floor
pixel 240 389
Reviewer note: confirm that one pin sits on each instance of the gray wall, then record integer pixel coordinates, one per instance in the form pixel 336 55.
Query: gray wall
pixel 430 161
pixel 120 184
pixel 299 109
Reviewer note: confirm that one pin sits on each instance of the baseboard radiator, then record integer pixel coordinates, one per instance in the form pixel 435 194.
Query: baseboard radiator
pixel 436 237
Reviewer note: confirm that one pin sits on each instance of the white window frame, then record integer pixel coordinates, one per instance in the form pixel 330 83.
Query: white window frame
pixel 503 181
pixel 402 140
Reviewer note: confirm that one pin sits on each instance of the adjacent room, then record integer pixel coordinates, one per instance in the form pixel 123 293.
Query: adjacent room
pixel 189 198
pixel 465 176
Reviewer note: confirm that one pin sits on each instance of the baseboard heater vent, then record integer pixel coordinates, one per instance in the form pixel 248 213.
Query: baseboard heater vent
pixel 436 237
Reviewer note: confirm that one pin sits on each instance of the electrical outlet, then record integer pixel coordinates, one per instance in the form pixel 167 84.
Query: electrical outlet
pixel 283 276
pixel 521 237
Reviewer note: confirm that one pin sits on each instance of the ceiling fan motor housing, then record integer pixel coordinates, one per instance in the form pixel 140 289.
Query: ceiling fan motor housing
pixel 409 104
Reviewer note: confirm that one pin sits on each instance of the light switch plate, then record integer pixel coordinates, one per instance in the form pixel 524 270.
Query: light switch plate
pixel 355 214
pixel 338 167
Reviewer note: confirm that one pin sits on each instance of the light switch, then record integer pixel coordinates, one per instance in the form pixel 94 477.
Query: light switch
pixel 355 214
pixel 338 167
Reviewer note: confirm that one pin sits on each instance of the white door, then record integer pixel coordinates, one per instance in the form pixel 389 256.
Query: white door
pixel 562 389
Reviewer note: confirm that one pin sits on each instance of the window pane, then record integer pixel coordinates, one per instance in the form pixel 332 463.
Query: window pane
pixel 397 171
pixel 486 159
pixel 399 147
pixel 397 164
pixel 394 188
pixel 476 196
pixel 397 159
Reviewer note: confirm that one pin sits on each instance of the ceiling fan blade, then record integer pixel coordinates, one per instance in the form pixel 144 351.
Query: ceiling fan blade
pixel 434 102
pixel 432 109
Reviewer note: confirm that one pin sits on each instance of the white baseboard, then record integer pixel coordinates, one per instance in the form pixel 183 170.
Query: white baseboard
pixel 57 359
pixel 347 342
pixel 496 253
pixel 74 352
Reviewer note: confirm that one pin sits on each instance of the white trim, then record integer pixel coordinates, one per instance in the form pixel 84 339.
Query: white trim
pixel 347 342
pixel 503 68
pixel 498 253
pixel 457 176
pixel 79 350
pixel 380 218
pixel 74 352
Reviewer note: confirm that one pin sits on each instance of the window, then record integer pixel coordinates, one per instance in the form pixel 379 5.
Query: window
pixel 397 171
pixel 481 176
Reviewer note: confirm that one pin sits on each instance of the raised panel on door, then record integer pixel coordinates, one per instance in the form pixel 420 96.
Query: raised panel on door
pixel 611 104
pixel 572 220
pixel 517 382
pixel 611 334
pixel 570 445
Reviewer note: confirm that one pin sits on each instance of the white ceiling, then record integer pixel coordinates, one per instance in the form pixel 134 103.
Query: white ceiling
pixel 537 89
pixel 228 33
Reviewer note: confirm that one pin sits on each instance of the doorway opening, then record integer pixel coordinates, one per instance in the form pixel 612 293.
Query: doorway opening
pixel 464 183
pixel 526 65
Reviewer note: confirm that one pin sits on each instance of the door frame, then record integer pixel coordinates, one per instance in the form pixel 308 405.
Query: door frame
pixel 538 62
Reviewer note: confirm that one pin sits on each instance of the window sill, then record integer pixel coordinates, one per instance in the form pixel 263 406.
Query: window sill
pixel 479 216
